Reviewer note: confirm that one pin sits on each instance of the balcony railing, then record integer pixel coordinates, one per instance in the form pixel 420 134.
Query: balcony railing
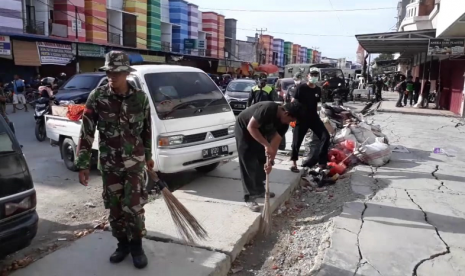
pixel 114 38
pixel 34 27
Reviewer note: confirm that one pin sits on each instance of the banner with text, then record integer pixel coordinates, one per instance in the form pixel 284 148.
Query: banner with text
pixel 54 53
pixel 5 46
pixel 446 47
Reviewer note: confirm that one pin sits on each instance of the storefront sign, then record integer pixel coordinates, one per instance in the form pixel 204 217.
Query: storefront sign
pixel 5 46
pixel 90 50
pixel 154 59
pixel 54 53
pixel 446 47
pixel 201 44
pixel 190 43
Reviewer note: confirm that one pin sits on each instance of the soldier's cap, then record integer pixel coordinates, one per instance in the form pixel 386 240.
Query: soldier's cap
pixel 298 76
pixel 314 70
pixel 117 61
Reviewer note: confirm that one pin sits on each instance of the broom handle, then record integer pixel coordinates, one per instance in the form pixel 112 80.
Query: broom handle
pixel 267 182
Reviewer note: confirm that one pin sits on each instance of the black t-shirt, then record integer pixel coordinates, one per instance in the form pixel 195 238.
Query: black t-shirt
pixel 308 97
pixel 266 115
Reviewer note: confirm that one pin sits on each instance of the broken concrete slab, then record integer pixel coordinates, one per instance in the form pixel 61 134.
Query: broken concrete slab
pixel 218 205
pixel 229 226
pixel 342 257
pixel 89 256
pixel 350 217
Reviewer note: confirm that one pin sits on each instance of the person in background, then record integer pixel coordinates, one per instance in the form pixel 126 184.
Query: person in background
pixel 379 88
pixel 261 92
pixel 401 88
pixel 61 80
pixel 409 88
pixel 426 91
pixel 416 90
pixel 308 95
pixel 19 88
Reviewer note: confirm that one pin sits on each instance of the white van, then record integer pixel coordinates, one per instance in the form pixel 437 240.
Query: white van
pixel 192 123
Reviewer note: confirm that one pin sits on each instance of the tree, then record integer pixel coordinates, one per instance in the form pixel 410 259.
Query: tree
pixel 384 56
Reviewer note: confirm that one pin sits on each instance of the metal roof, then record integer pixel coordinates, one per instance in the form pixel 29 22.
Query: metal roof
pixel 397 42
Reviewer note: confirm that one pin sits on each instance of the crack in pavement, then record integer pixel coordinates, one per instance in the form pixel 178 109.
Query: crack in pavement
pixel 433 173
pixel 447 251
pixel 361 260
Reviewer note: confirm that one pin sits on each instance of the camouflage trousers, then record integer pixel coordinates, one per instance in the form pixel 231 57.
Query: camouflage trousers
pixel 125 195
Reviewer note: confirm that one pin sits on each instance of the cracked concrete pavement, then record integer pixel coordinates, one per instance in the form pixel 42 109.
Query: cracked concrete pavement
pixel 410 217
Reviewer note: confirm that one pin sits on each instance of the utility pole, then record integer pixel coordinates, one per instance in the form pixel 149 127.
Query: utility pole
pixel 259 48
pixel 77 39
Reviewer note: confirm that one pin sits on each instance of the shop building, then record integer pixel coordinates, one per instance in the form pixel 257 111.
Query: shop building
pixel 296 53
pixel 179 18
pixel 230 29
pixel 210 26
pixel 278 52
pixel 287 56
pixel 266 49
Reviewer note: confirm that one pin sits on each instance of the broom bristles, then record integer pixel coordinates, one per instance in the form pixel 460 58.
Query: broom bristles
pixel 186 224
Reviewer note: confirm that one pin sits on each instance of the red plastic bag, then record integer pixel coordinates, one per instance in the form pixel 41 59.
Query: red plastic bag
pixel 336 168
pixel 336 156
pixel 75 112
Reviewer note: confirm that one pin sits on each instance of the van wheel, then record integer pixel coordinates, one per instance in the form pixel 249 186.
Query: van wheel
pixel 68 149
pixel 208 168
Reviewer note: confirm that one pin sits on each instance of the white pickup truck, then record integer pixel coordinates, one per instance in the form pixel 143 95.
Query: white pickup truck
pixel 192 123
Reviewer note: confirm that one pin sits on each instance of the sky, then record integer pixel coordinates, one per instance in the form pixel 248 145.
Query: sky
pixel 304 28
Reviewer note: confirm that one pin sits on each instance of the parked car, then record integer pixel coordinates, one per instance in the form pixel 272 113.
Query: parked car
pixel 18 216
pixel 192 123
pixel 237 94
pixel 271 81
pixel 281 87
pixel 77 89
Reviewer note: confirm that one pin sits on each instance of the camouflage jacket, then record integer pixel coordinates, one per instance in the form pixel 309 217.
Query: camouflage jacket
pixel 124 127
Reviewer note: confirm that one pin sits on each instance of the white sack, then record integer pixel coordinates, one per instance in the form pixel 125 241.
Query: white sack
pixel 376 154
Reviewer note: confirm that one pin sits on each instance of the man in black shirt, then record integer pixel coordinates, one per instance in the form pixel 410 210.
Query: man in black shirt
pixel 309 94
pixel 259 130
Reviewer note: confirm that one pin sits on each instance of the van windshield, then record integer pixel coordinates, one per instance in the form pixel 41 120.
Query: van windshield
pixel 185 94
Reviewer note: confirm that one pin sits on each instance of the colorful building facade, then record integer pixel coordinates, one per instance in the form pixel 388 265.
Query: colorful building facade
pixel 303 54
pixel 309 56
pixel 295 53
pixel 68 17
pixel 139 8
pixel 278 48
pixel 287 56
pixel 220 36
pixel 154 25
pixel 210 26
pixel 266 49
pixel 179 18
pixel 193 17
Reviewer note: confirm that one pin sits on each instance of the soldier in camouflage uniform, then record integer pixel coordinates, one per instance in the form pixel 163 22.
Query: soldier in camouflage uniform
pixel 121 114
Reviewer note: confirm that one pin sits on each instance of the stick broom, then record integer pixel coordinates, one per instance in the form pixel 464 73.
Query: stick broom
pixel 186 224
pixel 266 215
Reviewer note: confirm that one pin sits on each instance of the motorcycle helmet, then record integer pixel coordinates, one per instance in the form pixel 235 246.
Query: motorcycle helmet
pixel 47 81
pixel 63 75
pixel 314 70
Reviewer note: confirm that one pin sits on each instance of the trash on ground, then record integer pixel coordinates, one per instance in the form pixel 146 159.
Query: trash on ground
pixel 397 148
pixel 448 153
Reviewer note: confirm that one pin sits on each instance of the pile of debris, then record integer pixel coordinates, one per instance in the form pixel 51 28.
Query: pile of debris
pixel 353 140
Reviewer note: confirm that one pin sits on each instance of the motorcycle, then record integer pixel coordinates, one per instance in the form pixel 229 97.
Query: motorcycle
pixel 42 108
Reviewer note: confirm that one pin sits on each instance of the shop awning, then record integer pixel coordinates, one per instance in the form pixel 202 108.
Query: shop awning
pixel 396 42
pixel 135 58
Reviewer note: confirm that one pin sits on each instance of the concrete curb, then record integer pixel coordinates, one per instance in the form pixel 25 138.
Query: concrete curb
pixel 415 113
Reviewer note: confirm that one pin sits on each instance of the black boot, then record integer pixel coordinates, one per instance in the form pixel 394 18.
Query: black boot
pixel 121 252
pixel 138 256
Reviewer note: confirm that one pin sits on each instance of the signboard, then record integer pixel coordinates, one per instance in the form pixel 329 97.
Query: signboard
pixel 154 59
pixel 89 50
pixel 201 45
pixel 79 26
pixel 54 53
pixel 446 47
pixel 190 43
pixel 5 46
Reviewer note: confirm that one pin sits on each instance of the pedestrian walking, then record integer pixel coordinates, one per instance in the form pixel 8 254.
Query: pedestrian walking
pixel 309 94
pixel 259 130
pixel 409 88
pixel 401 88
pixel 121 114
pixel 19 88
pixel 416 90
pixel 426 92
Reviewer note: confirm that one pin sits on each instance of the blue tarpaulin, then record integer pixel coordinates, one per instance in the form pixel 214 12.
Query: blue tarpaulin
pixel 135 58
